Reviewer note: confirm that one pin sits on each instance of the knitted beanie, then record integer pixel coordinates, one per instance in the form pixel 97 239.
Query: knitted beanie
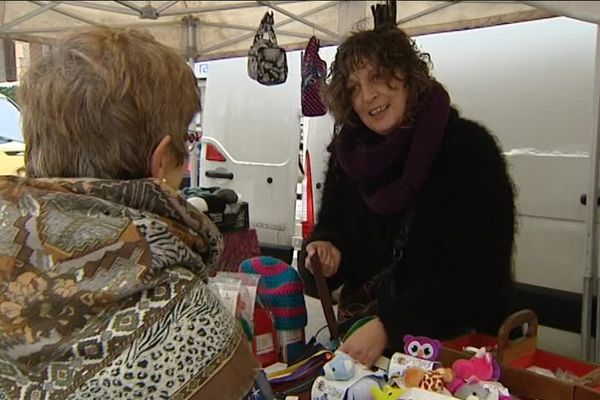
pixel 280 289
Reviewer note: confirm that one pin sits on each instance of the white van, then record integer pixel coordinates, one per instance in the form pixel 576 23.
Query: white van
pixel 250 143
pixel 532 85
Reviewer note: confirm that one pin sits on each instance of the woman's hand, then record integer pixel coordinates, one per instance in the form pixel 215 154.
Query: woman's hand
pixel 367 343
pixel 329 255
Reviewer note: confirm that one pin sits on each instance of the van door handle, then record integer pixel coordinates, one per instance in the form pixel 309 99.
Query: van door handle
pixel 583 199
pixel 217 174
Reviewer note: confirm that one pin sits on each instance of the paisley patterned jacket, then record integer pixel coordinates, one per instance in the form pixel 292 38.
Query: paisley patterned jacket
pixel 103 295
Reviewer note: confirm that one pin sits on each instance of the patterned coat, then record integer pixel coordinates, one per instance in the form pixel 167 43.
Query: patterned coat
pixel 103 295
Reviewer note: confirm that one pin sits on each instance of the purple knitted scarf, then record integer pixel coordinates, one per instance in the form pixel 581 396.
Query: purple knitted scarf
pixel 368 158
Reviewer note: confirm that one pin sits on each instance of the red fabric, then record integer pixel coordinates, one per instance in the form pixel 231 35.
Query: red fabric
pixel 239 245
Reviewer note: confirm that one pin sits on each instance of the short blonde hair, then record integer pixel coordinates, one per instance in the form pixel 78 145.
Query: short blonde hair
pixel 99 103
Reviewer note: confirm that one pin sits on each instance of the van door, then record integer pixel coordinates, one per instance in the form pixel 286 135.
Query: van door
pixel 532 85
pixel 318 132
pixel 251 137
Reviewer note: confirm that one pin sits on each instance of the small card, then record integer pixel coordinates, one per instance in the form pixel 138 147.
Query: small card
pixel 401 362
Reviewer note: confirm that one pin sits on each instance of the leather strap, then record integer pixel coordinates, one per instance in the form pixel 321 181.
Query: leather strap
pixel 325 297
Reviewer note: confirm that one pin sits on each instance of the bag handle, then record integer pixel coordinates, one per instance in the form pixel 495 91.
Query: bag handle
pixel 325 297
pixel 312 48
pixel 509 350
pixel 265 26
pixel 311 62
pixel 269 29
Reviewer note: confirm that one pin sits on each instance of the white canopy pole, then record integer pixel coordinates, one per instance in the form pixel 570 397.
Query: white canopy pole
pixel 191 48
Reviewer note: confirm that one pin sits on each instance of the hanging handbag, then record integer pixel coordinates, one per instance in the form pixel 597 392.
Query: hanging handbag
pixel 267 62
pixel 314 71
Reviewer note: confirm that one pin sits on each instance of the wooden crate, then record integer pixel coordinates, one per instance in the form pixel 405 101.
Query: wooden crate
pixel 589 388
pixel 586 393
pixel 520 382
pixel 515 356
pixel 529 385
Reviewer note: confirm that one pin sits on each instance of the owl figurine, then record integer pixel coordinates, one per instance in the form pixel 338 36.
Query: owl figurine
pixel 422 347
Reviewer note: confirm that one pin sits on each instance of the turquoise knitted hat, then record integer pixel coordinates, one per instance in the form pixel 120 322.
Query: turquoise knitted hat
pixel 280 289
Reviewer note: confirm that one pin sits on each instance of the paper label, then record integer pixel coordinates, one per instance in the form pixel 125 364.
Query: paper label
pixel 227 289
pixel 401 362
pixel 287 337
pixel 264 343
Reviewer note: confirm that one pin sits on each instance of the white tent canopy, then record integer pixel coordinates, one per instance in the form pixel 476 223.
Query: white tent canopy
pixel 204 30
pixel 220 29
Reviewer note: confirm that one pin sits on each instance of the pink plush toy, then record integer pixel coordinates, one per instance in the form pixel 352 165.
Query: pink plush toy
pixel 477 378
pixel 481 366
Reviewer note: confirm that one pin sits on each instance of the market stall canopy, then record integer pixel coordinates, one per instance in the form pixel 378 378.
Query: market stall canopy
pixel 221 29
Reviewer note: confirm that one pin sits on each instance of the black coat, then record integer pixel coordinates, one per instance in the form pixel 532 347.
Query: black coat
pixel 455 273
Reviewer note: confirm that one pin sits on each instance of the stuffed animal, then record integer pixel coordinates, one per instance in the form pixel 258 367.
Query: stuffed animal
pixel 387 393
pixel 422 347
pixel 480 350
pixel 413 376
pixel 480 366
pixel 340 368
pixel 434 381
pixel 479 390
pixel 472 391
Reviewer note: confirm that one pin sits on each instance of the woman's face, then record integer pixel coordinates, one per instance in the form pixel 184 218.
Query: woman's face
pixel 379 103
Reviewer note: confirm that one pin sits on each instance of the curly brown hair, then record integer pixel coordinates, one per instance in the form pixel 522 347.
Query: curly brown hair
pixel 394 53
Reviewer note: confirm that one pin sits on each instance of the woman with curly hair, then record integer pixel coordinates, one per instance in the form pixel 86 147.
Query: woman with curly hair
pixel 103 266
pixel 417 219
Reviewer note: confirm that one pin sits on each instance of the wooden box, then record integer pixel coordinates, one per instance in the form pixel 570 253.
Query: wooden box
pixel 515 356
